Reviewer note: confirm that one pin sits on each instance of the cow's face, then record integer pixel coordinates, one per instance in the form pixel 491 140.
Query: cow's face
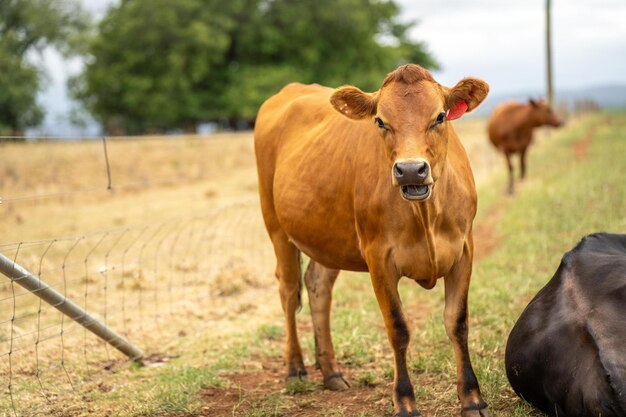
pixel 543 113
pixel 411 113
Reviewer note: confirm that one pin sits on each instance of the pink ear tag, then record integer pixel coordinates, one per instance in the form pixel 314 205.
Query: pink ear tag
pixel 457 110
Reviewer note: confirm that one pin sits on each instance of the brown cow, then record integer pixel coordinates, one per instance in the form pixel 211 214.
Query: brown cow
pixel 380 183
pixel 511 129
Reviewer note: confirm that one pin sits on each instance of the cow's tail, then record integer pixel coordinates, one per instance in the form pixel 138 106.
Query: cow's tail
pixel 300 282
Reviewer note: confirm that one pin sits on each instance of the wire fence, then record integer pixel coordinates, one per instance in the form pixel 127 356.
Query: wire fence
pixel 151 281
pixel 62 169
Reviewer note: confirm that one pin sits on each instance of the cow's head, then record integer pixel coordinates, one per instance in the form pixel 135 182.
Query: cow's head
pixel 543 113
pixel 411 112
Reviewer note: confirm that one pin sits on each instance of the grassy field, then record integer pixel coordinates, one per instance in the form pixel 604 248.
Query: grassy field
pixel 230 364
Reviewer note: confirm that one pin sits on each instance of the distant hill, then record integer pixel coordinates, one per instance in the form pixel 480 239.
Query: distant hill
pixel 606 96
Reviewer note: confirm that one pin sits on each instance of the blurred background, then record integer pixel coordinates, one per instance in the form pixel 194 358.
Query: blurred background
pixel 77 67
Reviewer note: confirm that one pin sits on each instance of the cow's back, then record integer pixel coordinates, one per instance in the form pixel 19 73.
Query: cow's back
pixel 565 354
pixel 279 122
pixel 273 116
pixel 305 154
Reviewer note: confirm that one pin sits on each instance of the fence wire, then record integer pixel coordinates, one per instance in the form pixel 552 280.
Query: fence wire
pixel 147 282
pixel 106 165
pixel 151 282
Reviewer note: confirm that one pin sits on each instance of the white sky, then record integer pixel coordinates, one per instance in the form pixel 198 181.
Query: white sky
pixel 500 41
pixel 503 41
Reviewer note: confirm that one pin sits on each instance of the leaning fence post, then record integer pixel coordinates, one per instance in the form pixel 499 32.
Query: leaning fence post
pixel 32 283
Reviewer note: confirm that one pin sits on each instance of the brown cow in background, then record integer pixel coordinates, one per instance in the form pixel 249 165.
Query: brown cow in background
pixel 511 129
pixel 376 182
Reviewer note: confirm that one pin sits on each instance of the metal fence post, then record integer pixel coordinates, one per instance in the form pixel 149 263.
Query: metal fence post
pixel 32 283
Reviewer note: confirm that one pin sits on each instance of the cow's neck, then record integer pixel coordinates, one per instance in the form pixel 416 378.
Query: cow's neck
pixel 427 217
pixel 535 119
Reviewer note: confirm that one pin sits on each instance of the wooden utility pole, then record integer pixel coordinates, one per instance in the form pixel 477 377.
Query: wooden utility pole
pixel 548 55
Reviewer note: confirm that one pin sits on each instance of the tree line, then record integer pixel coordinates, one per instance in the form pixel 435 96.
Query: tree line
pixel 158 65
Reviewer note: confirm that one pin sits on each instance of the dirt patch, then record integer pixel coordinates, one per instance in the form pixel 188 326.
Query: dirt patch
pixel 581 147
pixel 485 237
pixel 252 392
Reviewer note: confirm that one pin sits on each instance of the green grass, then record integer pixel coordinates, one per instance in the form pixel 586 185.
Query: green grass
pixel 368 379
pixel 270 332
pixel 177 388
pixel 268 406
pixel 300 386
pixel 564 198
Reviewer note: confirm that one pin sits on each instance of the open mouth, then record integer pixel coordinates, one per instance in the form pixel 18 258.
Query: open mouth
pixel 416 192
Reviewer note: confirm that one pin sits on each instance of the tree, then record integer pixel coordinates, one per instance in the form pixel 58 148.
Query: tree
pixel 26 27
pixel 153 64
pixel 157 64
pixel 334 41
pixel 331 42
pixel 19 84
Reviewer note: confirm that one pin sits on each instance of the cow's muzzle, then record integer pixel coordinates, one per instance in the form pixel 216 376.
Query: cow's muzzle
pixel 414 179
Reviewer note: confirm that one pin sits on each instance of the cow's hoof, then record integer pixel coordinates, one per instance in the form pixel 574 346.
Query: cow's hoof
pixel 483 412
pixel 336 382
pixel 295 374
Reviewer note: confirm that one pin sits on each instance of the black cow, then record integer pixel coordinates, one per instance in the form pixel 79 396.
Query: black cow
pixel 566 354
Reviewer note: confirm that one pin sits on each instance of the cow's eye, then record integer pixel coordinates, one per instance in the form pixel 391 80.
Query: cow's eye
pixel 379 122
pixel 441 117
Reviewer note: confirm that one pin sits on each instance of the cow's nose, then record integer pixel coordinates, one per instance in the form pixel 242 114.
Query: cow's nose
pixel 411 173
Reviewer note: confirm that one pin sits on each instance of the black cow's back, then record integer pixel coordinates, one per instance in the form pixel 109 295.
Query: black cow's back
pixel 567 352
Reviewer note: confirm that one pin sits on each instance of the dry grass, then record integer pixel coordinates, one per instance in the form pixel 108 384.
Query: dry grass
pixel 182 214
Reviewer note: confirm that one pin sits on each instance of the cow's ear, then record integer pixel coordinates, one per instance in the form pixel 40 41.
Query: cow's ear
pixel 465 96
pixel 354 103
pixel 533 102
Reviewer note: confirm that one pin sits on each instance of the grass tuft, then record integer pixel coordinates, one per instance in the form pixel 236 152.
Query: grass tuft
pixel 367 379
pixel 270 332
pixel 295 386
pixel 178 388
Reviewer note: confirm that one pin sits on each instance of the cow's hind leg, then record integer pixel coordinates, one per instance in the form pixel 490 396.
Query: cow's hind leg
pixel 288 273
pixel 456 319
pixel 522 163
pixel 319 283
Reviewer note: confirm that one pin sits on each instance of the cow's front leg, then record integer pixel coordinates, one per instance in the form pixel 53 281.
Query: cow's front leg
pixel 385 284
pixel 456 319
